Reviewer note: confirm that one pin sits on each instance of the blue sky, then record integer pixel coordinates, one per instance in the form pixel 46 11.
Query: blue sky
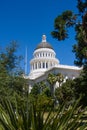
pixel 27 20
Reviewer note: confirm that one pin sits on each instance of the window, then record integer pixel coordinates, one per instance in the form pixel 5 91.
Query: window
pixel 40 54
pixel 46 65
pixel 43 65
pixel 39 65
pixel 33 66
pixel 36 66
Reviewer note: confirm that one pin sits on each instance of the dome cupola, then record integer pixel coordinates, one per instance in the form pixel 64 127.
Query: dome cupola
pixel 44 43
pixel 44 58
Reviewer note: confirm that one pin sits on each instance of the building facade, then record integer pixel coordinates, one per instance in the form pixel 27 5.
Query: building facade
pixel 44 62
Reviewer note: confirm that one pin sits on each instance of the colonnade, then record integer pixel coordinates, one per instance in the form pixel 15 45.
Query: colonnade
pixel 44 54
pixel 42 65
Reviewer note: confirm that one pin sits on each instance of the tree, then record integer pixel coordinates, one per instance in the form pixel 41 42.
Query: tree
pixel 40 95
pixel 65 93
pixel 59 78
pixel 78 21
pixel 35 90
pixel 51 80
pixel 80 87
pixel 62 23
pixel 9 60
pixel 12 82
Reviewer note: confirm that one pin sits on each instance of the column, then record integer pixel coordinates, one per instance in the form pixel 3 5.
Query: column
pixel 31 67
pixel 41 54
pixel 41 64
pixel 37 65
pixel 34 66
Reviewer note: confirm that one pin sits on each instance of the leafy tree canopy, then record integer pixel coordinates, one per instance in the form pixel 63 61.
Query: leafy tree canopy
pixel 11 80
pixel 79 21
pixel 65 93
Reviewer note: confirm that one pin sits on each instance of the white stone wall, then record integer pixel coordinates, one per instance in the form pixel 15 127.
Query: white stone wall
pixel 68 72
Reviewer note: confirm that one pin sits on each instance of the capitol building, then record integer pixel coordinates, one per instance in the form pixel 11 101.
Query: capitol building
pixel 44 61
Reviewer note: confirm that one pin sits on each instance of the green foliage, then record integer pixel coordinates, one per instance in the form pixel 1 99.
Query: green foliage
pixel 51 80
pixel 40 95
pixel 80 49
pixel 43 102
pixel 62 23
pixel 82 5
pixel 47 92
pixel 9 60
pixel 79 22
pixel 12 83
pixel 31 119
pixel 81 87
pixel 65 93
pixel 39 88
pixel 12 119
pixel 59 78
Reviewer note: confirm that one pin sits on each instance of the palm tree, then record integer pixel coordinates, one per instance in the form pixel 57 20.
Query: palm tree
pixel 51 80
pixel 59 78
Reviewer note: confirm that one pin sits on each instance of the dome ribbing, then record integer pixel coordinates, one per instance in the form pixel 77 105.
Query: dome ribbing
pixel 44 44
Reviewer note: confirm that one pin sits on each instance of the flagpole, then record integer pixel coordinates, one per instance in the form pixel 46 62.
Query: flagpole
pixel 26 61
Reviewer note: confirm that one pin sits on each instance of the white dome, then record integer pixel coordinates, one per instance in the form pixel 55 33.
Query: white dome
pixel 43 59
pixel 44 44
